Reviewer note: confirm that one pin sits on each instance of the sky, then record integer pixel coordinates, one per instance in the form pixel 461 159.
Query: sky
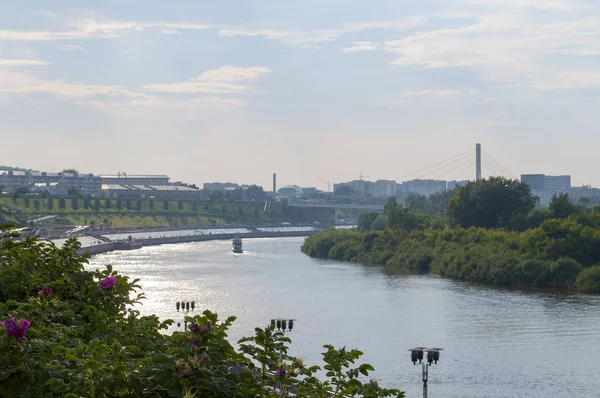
pixel 312 90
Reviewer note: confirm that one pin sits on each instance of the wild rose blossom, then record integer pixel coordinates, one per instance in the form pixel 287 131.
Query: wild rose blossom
pixel 205 360
pixel 191 342
pixel 194 327
pixel 281 372
pixel 108 282
pixel 16 328
pixel 43 292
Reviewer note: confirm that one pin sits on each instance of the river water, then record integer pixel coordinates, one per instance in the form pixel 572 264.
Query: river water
pixel 497 343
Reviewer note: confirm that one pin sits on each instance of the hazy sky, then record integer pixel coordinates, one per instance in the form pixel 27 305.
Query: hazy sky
pixel 236 90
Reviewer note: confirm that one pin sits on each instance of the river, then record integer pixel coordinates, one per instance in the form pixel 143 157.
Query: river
pixel 497 343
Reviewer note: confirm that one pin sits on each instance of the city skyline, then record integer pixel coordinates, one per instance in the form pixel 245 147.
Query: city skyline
pixel 238 91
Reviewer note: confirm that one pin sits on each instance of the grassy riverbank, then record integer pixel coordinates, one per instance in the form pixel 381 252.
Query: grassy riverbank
pixel 559 247
pixel 121 213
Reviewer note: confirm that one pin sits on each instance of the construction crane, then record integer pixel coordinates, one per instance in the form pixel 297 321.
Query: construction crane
pixel 361 176
pixel 328 183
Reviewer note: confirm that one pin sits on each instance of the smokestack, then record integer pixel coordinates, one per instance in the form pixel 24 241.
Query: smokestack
pixel 274 183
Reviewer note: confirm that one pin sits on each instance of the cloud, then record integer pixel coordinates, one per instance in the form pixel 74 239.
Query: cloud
pixel 569 79
pixel 22 62
pixel 223 80
pixel 361 46
pixel 70 47
pixel 555 5
pixel 92 28
pixel 299 37
pixel 433 93
pixel 154 108
pixel 498 123
pixel 165 31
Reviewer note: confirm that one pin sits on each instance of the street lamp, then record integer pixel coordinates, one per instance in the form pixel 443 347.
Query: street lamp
pixel 186 307
pixel 283 324
pixel 433 356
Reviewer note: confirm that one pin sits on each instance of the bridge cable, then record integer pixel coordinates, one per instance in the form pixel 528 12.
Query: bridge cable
pixel 467 161
pixel 436 164
pixel 497 164
pixel 492 169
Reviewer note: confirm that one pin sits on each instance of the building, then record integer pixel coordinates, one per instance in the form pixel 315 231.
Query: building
pixel 123 178
pixel 220 186
pixel 167 192
pixel 424 187
pixel 557 182
pixel 379 188
pixel 290 191
pixel 87 184
pixel 51 188
pixel 539 182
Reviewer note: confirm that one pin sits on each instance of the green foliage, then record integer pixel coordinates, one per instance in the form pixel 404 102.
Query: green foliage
pixel 561 206
pixel 74 203
pixel 50 204
pixel 87 339
pixel 588 280
pixel 489 203
pixel 97 205
pixel 557 253
pixel 62 203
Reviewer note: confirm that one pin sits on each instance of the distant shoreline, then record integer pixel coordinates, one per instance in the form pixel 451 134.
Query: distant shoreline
pixel 139 243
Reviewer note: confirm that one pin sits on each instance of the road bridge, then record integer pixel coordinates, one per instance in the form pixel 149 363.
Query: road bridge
pixel 378 208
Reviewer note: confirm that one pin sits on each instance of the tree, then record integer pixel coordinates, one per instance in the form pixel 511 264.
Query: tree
pixel 119 204
pixel 256 213
pixel 97 204
pixel 489 203
pixel 380 223
pixel 87 202
pixel 36 204
pixel 75 192
pixel 256 193
pixel 206 207
pixel 74 203
pixel 50 204
pixel 240 211
pixel 179 205
pixel 165 205
pixel 107 203
pixel 223 209
pixel 418 204
pixel 62 203
pixel 561 206
pixel 365 220
pixel 71 171
pixel 151 204
pixel 128 204
pixel 26 203
pixel 194 206
pixel 2 187
pixel 138 205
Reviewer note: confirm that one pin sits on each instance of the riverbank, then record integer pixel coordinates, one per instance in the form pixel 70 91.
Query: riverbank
pixel 558 254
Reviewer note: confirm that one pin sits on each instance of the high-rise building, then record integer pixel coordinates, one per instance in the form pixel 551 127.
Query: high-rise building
pixel 424 187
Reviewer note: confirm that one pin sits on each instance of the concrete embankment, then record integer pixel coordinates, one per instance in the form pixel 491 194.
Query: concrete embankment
pixel 138 243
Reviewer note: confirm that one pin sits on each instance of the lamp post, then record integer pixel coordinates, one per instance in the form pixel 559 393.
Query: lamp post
pixel 433 356
pixel 186 307
pixel 283 324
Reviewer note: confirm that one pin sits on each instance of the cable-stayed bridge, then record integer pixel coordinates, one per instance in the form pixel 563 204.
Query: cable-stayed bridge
pixel 476 161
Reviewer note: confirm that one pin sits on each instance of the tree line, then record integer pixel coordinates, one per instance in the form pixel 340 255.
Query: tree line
pixel 487 231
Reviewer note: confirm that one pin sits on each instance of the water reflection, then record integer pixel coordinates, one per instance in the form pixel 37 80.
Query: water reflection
pixel 498 342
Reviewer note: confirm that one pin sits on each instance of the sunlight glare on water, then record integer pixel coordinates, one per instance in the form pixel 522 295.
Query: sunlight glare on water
pixel 497 343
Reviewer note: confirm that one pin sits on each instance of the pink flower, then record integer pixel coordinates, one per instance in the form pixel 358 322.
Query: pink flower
pixel 44 291
pixel 16 328
pixel 108 282
pixel 281 372
pixel 205 360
